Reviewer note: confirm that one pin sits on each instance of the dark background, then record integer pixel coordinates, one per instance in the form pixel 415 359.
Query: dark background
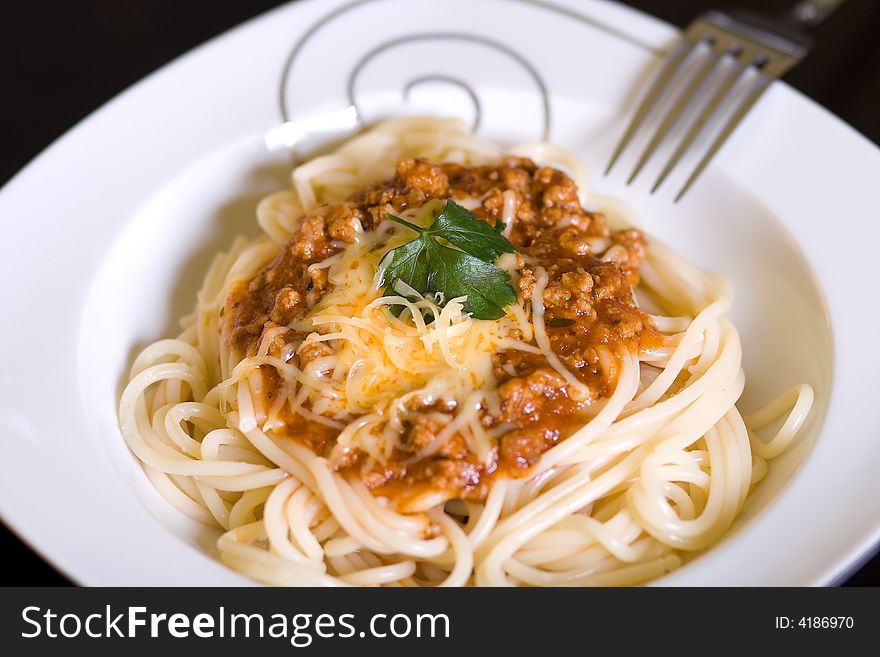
pixel 61 60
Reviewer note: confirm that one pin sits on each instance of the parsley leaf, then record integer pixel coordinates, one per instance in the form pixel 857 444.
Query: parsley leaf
pixel 560 322
pixel 477 238
pixel 430 266
pixel 457 274
pixel 406 263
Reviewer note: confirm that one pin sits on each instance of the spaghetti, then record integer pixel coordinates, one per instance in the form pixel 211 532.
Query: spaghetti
pixel 344 434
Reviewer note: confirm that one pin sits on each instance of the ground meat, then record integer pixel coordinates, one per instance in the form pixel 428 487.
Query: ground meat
pixel 630 249
pixel 415 182
pixel 286 302
pixel 587 303
pixel 454 474
pixel 537 405
pixel 526 282
pixel 344 222
pixel 430 482
pixel 424 177
pixel 568 291
pixel 617 321
pixel 515 176
pixel 575 243
pixel 381 474
pixel 422 431
pixel 288 286
pixel 527 399
pixel 589 314
pixel 520 449
pixel 609 283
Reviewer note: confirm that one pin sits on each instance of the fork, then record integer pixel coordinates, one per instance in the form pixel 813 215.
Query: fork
pixel 760 49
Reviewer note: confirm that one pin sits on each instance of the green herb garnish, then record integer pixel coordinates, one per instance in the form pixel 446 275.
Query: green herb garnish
pixel 429 266
pixel 560 322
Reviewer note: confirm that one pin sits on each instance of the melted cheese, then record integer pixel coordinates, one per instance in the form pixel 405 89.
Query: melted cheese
pixel 379 362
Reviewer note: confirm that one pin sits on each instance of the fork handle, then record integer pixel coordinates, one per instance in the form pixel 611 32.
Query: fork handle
pixel 809 13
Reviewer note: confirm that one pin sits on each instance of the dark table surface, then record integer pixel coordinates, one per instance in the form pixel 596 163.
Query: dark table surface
pixel 59 61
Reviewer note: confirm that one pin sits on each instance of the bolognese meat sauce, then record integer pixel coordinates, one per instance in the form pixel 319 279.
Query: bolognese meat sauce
pixel 589 312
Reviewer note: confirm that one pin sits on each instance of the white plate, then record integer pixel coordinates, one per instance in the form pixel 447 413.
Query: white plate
pixel 107 235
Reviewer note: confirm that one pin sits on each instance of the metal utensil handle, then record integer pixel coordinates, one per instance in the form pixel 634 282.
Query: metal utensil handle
pixel 810 13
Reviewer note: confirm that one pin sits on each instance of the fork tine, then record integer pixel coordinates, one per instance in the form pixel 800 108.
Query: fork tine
pixel 743 109
pixel 708 112
pixel 685 97
pixel 672 64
